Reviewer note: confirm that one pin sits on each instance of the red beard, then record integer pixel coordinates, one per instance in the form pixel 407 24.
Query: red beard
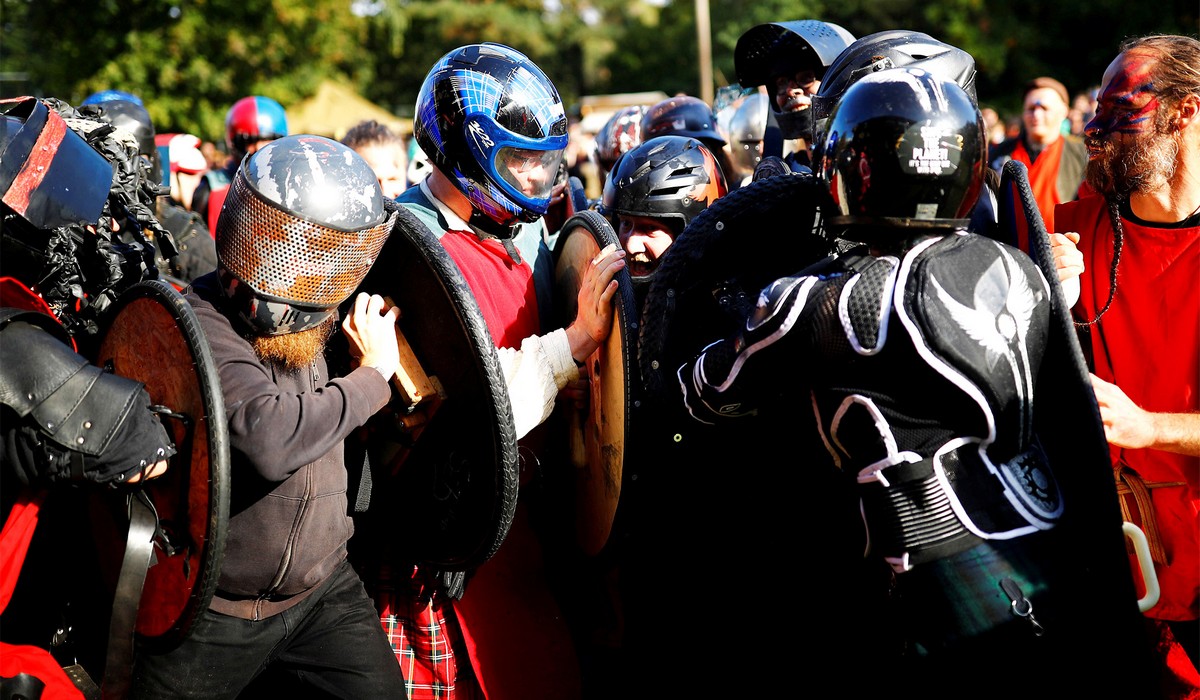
pixel 1127 164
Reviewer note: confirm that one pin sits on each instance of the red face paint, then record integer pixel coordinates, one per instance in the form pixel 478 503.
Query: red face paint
pixel 1128 99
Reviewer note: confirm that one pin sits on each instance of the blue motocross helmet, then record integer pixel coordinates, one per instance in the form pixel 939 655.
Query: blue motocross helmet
pixel 486 113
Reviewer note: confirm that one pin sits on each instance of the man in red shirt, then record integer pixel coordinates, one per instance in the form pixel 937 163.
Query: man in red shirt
pixel 1140 304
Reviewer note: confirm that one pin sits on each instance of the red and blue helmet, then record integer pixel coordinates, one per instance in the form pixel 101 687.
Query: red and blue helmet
pixel 483 108
pixel 251 119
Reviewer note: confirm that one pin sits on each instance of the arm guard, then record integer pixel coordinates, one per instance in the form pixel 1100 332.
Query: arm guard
pixel 76 421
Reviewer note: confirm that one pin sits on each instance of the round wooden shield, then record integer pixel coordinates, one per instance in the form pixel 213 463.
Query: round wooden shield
pixel 446 490
pixel 154 337
pixel 597 433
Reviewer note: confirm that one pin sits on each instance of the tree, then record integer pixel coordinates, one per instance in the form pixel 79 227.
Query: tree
pixel 188 61
pixel 191 59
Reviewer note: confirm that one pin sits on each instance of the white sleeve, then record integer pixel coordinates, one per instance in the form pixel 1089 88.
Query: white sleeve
pixel 534 375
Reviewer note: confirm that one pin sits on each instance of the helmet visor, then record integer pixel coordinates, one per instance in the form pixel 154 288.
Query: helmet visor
pixel 530 172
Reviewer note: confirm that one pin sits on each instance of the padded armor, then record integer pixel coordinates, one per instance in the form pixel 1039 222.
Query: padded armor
pixel 75 405
pixel 960 321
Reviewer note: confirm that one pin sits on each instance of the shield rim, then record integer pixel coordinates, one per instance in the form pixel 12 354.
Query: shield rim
pixel 1090 493
pixel 625 323
pixel 216 432
pixel 419 239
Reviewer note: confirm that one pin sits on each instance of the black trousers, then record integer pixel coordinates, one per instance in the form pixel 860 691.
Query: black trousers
pixel 331 643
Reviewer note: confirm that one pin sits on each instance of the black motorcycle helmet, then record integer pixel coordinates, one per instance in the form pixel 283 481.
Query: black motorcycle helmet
pixel 895 48
pixel 904 149
pixel 302 225
pixel 666 177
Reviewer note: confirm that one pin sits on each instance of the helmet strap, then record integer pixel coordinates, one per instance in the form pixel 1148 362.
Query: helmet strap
pixel 486 227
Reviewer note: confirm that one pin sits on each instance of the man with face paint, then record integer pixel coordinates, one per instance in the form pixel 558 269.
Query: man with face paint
pixel 1140 240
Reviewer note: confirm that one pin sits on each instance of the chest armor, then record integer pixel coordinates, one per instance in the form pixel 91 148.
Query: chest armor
pixel 928 367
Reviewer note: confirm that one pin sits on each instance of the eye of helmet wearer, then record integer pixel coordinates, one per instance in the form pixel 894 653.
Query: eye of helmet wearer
pixel 511 163
pixel 805 79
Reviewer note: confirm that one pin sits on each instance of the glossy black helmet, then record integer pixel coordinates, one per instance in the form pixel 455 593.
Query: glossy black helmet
pixel 895 48
pixel 904 149
pixel 666 177
pixel 302 225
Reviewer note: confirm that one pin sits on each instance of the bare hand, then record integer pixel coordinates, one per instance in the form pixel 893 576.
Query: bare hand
pixel 1125 423
pixel 371 333
pixel 558 194
pixel 594 318
pixel 1068 261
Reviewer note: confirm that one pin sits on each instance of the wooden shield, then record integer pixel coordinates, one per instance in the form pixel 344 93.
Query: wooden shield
pixel 154 337
pixel 445 463
pixel 597 434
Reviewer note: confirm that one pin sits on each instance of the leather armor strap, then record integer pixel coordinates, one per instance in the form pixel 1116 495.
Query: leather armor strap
pixel 78 405
pixel 85 412
pixel 1141 512
pixel 139 547
pixel 36 364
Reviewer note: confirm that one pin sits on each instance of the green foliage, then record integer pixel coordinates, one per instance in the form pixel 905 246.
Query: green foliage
pixel 190 59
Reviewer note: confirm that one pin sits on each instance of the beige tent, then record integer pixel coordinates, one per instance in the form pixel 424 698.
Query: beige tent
pixel 597 109
pixel 335 108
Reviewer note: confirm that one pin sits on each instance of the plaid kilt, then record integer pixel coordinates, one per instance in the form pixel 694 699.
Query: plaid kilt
pixel 425 637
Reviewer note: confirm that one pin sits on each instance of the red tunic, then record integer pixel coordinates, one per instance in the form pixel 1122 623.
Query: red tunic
pixel 1148 344
pixel 514 632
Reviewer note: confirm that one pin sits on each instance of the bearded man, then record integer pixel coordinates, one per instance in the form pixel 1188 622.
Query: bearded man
pixel 1140 305
pixel 303 223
